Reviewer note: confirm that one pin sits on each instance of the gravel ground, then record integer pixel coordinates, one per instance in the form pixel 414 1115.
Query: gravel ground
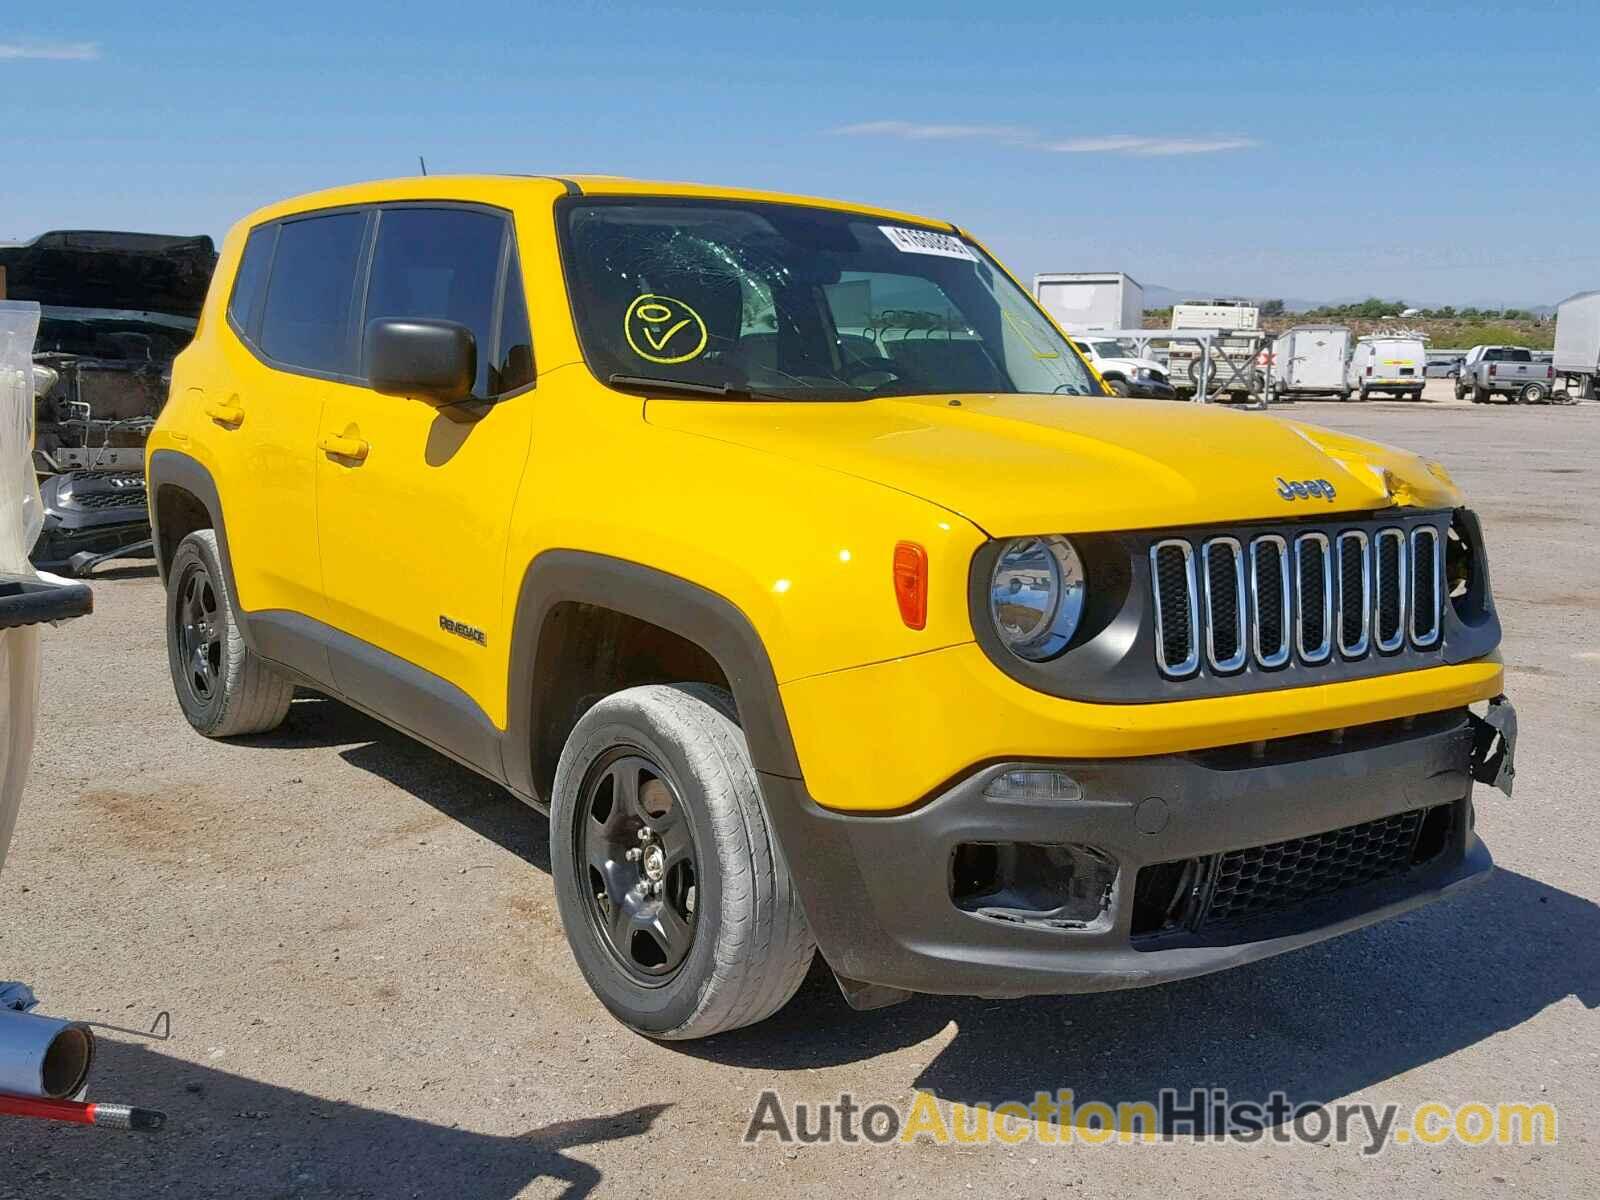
pixel 370 994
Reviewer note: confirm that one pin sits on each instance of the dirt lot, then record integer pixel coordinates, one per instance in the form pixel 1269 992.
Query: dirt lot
pixel 370 994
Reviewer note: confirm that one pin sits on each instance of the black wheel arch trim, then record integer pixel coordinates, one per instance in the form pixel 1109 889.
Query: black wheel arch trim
pixel 171 468
pixel 675 604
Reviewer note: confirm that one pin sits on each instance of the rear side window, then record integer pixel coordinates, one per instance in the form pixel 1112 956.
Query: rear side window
pixel 250 282
pixel 306 320
pixel 442 263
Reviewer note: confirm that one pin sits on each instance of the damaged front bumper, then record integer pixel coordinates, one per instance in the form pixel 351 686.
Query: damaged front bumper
pixel 90 516
pixel 1193 862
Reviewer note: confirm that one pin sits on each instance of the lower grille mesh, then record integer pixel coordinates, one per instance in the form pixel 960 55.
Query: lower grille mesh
pixel 1265 878
pixel 1205 893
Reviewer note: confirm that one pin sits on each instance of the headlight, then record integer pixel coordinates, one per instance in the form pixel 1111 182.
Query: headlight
pixel 1036 596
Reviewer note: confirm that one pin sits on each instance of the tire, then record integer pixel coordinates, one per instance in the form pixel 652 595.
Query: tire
pixel 1118 387
pixel 224 689
pixel 1534 393
pixel 1362 395
pixel 720 871
pixel 1461 392
pixel 1480 395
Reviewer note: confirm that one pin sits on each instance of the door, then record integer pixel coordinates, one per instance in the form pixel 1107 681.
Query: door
pixel 415 501
pixel 291 311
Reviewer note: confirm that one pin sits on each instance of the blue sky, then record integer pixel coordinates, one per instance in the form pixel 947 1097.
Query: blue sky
pixel 1280 149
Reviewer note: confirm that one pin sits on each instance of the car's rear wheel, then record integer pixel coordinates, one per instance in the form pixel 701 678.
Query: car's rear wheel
pixel 676 899
pixel 1533 393
pixel 1480 395
pixel 223 688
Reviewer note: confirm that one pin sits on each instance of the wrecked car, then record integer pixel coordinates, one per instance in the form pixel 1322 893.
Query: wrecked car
pixel 115 310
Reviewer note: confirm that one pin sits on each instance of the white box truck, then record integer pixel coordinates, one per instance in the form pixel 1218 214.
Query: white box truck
pixel 1091 301
pixel 1311 360
pixel 1577 353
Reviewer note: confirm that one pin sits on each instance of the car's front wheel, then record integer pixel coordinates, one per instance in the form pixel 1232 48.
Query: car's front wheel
pixel 675 896
pixel 223 688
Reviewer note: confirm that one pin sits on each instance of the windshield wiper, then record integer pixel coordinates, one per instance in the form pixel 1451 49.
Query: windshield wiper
pixel 716 391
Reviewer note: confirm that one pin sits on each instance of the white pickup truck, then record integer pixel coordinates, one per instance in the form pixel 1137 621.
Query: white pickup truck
pixel 1124 371
pixel 1508 371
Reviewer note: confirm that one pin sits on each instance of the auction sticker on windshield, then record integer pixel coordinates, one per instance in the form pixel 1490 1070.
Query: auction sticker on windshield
pixel 926 241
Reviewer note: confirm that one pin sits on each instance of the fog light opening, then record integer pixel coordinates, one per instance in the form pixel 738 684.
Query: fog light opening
pixel 1062 887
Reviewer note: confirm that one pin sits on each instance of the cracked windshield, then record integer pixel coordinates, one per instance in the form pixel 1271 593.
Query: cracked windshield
pixel 790 303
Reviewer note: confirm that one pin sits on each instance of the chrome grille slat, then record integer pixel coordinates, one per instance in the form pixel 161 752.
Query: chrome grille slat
pixel 1427 594
pixel 1224 588
pixel 1269 600
pixel 1177 608
pixel 1313 609
pixel 1389 589
pixel 1357 609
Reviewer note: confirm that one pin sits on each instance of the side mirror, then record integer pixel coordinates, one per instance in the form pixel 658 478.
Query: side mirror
pixel 436 361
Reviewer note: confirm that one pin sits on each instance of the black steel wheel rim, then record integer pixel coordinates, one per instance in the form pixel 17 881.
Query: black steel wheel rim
pixel 635 862
pixel 198 623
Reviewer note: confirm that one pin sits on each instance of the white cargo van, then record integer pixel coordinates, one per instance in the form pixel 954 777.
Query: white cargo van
pixel 1396 363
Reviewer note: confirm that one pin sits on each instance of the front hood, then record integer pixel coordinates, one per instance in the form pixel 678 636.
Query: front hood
pixel 82 269
pixel 1024 464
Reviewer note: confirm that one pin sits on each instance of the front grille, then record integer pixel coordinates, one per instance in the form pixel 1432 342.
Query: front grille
pixel 1202 893
pixel 1226 603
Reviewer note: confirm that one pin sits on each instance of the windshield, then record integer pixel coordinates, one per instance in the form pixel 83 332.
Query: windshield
pixel 798 303
pixel 1113 349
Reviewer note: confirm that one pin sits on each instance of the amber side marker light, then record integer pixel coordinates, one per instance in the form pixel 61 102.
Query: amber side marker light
pixel 911 584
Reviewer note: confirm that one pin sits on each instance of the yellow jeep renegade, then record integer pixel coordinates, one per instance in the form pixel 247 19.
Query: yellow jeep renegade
pixel 792 561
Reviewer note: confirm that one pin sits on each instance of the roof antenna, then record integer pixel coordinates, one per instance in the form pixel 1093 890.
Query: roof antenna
pixel 423 163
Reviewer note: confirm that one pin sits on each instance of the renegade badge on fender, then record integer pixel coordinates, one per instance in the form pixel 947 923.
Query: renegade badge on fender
pixel 791 560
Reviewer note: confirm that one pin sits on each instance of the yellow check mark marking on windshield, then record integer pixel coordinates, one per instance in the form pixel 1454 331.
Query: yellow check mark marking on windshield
pixel 656 343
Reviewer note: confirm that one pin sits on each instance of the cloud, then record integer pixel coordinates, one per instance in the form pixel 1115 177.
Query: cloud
pixel 1139 145
pixel 1128 143
pixel 55 51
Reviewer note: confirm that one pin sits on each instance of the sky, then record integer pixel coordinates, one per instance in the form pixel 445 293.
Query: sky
pixel 1435 153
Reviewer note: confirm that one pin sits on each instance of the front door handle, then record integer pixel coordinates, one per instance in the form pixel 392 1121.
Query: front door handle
pixel 351 448
pixel 225 412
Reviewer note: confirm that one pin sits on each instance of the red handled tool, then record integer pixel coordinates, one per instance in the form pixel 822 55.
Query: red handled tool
pixel 109 1116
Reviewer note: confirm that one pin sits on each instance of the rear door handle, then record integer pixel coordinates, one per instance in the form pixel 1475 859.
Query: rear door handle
pixel 351 448
pixel 225 412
